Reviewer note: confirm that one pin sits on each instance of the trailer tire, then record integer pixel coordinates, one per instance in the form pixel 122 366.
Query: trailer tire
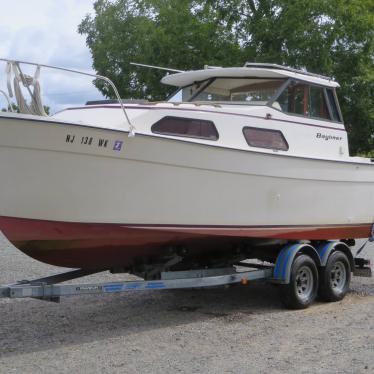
pixel 303 287
pixel 335 277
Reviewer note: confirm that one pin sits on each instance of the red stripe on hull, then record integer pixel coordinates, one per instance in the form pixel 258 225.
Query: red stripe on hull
pixel 92 245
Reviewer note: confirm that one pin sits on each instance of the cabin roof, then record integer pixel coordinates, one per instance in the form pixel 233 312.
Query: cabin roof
pixel 250 71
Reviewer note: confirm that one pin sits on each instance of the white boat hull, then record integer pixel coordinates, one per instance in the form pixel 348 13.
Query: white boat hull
pixel 54 172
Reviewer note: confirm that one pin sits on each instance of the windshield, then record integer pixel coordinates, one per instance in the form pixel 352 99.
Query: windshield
pixel 253 91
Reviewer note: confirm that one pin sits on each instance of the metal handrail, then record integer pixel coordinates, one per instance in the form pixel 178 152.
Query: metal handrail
pixel 286 68
pixel 8 100
pixel 100 77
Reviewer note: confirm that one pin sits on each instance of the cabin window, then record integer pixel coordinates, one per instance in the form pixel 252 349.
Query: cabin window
pixel 293 99
pixel 265 138
pixel 187 127
pixel 334 108
pixel 235 90
pixel 251 91
pixel 317 103
pixel 303 99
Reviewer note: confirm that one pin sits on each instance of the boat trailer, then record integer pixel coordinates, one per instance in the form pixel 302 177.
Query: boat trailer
pixel 49 289
pixel 302 271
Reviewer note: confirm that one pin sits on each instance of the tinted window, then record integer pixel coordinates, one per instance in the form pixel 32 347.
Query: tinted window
pixel 188 127
pixel 265 138
pixel 334 108
pixel 303 99
pixel 294 99
pixel 317 103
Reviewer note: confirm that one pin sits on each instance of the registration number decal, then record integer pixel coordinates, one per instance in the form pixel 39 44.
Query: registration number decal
pixel 117 145
pixel 94 142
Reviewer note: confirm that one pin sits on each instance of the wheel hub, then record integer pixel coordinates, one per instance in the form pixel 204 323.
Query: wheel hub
pixel 338 276
pixel 304 282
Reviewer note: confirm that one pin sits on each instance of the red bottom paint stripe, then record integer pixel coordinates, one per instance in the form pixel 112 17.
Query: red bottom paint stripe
pixel 93 245
pixel 30 229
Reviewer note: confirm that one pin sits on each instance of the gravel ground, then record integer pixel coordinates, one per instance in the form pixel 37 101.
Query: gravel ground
pixel 221 330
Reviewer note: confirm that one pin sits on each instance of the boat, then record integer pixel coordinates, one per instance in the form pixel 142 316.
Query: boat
pixel 239 161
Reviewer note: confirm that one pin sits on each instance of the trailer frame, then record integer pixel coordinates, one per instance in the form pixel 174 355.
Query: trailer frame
pixel 49 289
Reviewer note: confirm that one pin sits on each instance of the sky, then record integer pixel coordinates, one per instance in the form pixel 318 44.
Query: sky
pixel 45 31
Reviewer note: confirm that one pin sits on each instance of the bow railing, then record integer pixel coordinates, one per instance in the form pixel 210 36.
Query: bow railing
pixel 14 66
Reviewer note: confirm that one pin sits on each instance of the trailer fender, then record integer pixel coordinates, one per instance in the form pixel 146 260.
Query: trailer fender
pixel 325 250
pixel 285 259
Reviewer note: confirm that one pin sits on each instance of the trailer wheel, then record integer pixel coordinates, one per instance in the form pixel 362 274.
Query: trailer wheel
pixel 335 277
pixel 303 287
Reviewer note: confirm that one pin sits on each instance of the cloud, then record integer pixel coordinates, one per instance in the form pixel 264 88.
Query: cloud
pixel 62 89
pixel 45 31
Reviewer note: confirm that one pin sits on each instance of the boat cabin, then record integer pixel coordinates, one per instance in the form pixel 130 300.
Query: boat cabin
pixel 301 109
pixel 284 89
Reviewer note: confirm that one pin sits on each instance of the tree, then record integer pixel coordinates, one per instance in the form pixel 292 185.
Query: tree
pixel 15 109
pixel 174 33
pixel 331 37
